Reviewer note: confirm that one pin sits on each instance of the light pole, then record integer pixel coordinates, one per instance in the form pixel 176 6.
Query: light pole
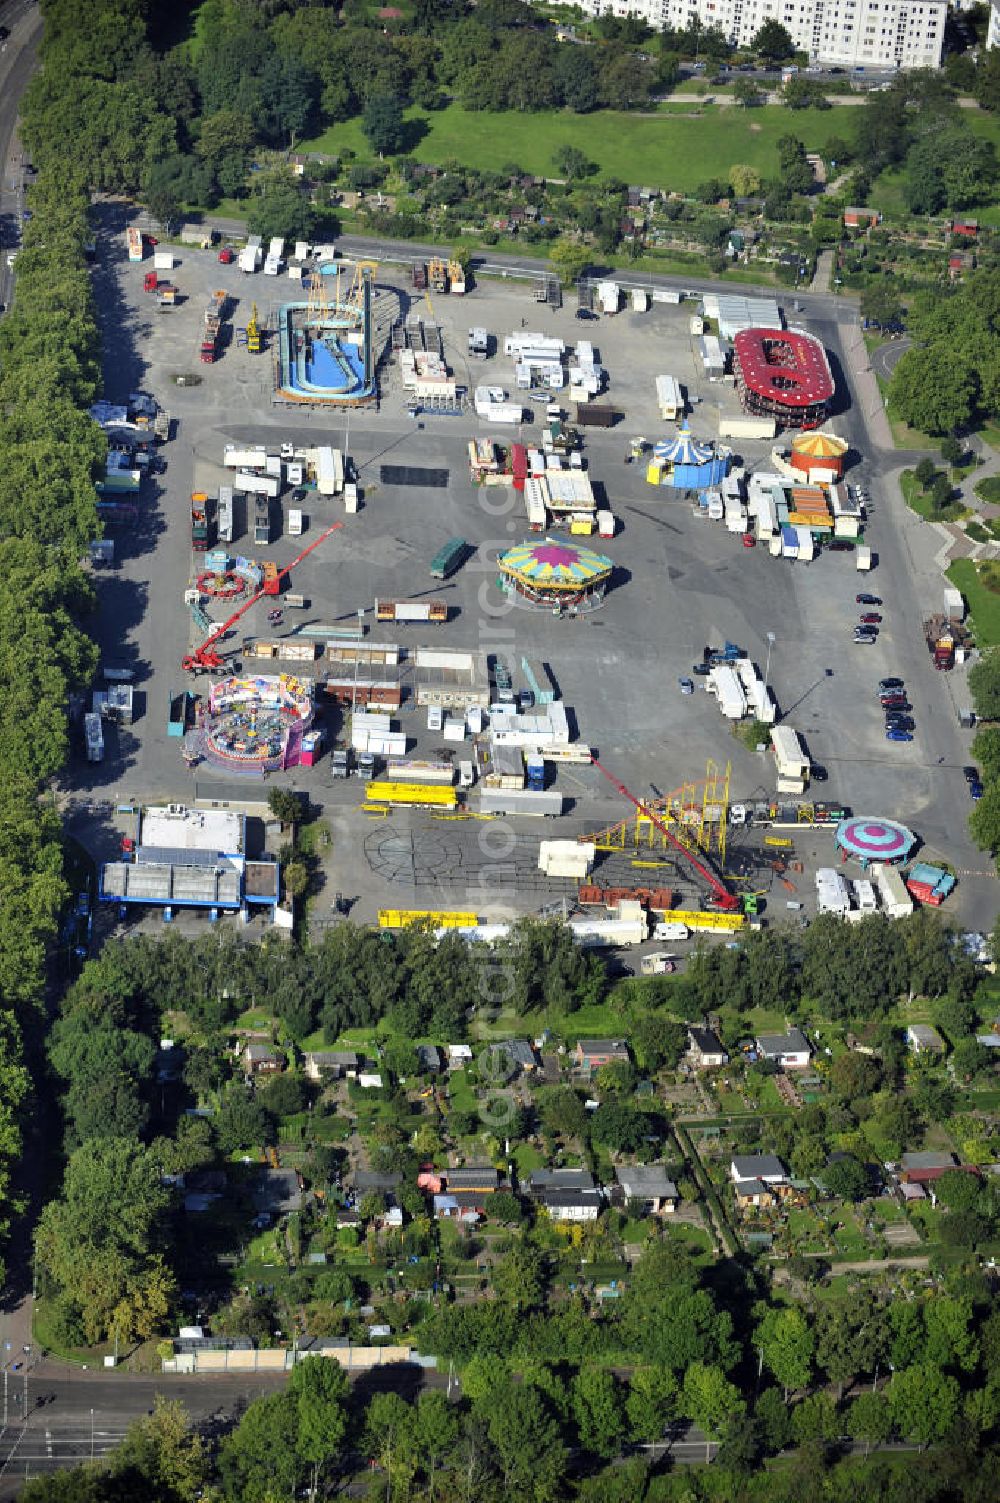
pixel 767 665
pixel 92 1435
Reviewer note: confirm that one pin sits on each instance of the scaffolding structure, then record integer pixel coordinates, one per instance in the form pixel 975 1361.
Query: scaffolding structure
pixel 697 813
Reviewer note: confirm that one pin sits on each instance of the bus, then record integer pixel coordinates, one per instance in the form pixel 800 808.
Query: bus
pixel 450 557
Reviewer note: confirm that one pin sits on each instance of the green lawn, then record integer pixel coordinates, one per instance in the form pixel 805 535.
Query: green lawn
pixel 917 501
pixel 662 150
pixel 984 605
pixel 988 490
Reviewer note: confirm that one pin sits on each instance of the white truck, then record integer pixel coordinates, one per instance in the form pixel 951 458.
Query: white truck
pixel 669 398
pixel 790 760
pixel 258 485
pixel 252 255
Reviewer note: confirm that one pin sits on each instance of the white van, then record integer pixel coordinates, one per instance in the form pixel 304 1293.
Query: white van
pixel 466 775
pixel 435 717
pixel 296 523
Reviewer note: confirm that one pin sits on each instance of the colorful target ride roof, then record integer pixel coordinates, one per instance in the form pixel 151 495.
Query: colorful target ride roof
pixel 870 837
pixel 784 366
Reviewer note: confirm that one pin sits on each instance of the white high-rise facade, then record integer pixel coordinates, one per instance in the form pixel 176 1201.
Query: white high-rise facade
pixel 852 33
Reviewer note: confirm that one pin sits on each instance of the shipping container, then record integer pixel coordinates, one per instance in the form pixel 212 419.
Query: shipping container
pixel 747 427
pixel 669 399
pixel 244 459
pixel 257 485
pixel 449 558
pixel 411 610
pixel 225 514
pixel 597 415
pixel 790 758
pixel 442 773
pixel 519 801
pixel 325 473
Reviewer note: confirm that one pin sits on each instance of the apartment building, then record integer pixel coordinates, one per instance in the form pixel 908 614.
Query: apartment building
pixel 870 34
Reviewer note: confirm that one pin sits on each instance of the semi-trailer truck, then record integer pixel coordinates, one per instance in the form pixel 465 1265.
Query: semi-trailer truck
pixel 411 610
pixel 199 521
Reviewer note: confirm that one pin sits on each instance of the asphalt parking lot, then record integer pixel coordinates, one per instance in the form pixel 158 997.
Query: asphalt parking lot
pixel 680 582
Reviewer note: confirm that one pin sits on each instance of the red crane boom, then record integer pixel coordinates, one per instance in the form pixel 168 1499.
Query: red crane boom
pixel 721 896
pixel 204 658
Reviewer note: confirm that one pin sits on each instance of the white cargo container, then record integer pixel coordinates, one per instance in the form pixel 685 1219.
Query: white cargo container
pixel 609 296
pixel 896 901
pixel 606 524
pixel 276 247
pixel 640 300
pixel 163 260
pixel 244 459
pixel 669 398
pixel 454 728
pixel 832 894
pixel 747 427
pixel 257 485
pixel 609 931
pixel 421 772
pixel 807 548
pixel 566 858
pixel 862 559
pixel 790 759
pixel 954 604
pixel 350 497
pixel 272 266
pixel 519 801
pixel 296 523
pixel 325 473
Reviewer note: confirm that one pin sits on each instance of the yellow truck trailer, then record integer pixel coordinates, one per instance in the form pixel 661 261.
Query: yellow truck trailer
pixel 419 795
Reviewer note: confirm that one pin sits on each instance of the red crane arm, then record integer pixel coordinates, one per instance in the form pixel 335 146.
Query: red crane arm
pixel 721 895
pixel 203 656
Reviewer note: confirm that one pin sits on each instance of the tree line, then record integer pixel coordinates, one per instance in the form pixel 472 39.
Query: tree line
pixel 564 1405
pixel 49 375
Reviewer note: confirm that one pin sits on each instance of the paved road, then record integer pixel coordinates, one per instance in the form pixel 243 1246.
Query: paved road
pixel 887 356
pixel 17 62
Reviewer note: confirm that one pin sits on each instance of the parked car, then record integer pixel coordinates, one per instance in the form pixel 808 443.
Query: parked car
pixel 871 618
pixel 817 773
pixel 971 775
pixel 866 631
pixel 976 791
pixel 840 546
pixel 226 256
pixel 885 684
pixel 893 735
pixel 687 686
pixel 865 641
pixel 896 702
pixel 702 669
pixel 748 540
pixel 901 722
pixel 585 314
pixel 867 599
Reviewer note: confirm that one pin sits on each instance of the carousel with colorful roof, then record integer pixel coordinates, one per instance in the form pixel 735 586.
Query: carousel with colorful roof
pixel 819 455
pixel 686 463
pixel 555 575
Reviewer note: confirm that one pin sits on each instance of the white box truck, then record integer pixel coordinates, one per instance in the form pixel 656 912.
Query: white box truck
pixel 790 760
pixel 257 485
pixel 225 514
pixel 296 523
pixel 669 398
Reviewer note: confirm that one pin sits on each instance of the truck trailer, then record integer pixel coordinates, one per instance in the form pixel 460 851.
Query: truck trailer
pixel 258 485
pixel 199 521
pixel 411 610
pixel 747 427
pixel 546 804
pixel 668 398
pixel 790 760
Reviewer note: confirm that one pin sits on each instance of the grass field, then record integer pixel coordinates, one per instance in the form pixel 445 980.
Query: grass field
pixel 984 605
pixel 665 150
pixel 917 501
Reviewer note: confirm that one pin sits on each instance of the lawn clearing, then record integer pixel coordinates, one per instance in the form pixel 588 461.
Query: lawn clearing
pixel 984 605
pixel 662 150
pixel 917 500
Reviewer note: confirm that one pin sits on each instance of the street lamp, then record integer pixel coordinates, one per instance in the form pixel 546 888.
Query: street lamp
pixel 767 666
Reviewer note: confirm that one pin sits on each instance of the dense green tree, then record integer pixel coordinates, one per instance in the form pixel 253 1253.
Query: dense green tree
pixel 934 388
pixel 923 1402
pixel 242 1122
pixel 651 1402
pixel 280 207
pixel 773 42
pixel 383 125
pixel 599 1410
pixel 525 1436
pixel 786 1343
pixel 260 1459
pixel 708 1398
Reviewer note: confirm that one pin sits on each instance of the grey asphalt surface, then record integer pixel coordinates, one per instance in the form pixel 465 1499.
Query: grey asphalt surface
pixel 17 61
pixel 888 355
